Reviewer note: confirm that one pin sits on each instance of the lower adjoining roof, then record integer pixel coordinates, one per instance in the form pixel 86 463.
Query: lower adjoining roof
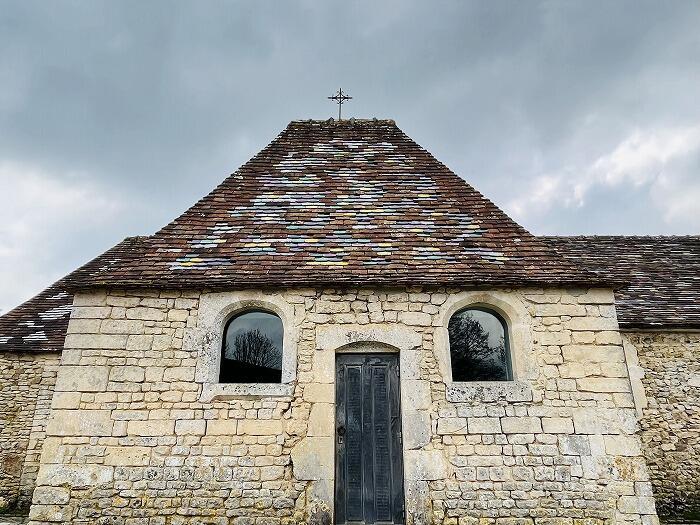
pixel 663 273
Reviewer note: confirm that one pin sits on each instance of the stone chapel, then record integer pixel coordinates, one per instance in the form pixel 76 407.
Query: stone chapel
pixel 346 332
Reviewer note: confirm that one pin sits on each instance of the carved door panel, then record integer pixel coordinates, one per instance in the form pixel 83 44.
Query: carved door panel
pixel 369 458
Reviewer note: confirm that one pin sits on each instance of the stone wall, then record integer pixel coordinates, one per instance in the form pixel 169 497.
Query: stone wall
pixel 26 386
pixel 671 417
pixel 138 436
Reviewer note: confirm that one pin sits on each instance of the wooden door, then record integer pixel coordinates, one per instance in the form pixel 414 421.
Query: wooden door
pixel 369 458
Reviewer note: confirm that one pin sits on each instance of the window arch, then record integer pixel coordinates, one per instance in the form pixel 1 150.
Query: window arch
pixel 251 348
pixel 479 346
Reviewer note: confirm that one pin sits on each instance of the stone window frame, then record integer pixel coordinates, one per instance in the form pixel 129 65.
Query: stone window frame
pixel 215 311
pixel 521 349
pixel 495 314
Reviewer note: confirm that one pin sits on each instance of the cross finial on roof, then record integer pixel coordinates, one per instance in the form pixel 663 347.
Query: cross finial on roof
pixel 340 97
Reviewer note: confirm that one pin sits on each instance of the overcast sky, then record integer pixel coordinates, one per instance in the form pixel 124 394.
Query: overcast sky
pixel 575 117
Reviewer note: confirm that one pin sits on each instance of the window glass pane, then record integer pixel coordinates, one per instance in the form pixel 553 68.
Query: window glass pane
pixel 478 347
pixel 252 350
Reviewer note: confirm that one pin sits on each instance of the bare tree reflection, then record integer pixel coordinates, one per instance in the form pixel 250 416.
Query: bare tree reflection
pixel 473 358
pixel 253 357
pixel 255 348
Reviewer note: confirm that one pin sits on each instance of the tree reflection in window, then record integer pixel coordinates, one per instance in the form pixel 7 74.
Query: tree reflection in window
pixel 479 346
pixel 252 349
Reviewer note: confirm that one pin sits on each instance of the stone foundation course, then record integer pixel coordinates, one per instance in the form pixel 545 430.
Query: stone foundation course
pixel 138 435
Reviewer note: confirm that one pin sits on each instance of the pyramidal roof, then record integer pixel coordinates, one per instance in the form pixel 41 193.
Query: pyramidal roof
pixel 328 202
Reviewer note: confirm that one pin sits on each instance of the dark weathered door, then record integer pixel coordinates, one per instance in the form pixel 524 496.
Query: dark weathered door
pixel 369 459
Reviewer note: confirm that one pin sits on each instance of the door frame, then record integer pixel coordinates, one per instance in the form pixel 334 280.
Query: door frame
pixel 397 470
pixel 415 407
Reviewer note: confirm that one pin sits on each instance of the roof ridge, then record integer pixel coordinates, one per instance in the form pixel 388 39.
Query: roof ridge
pixel 683 236
pixel 348 121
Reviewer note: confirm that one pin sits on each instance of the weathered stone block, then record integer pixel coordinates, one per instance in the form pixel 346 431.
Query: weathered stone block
pixel 66 400
pixel 622 445
pixel 82 378
pixel 416 429
pixel 555 338
pixel 186 304
pixel 51 496
pixel 592 323
pixel 134 374
pixel 554 310
pixel 51 514
pixel 151 427
pixel 415 318
pixel 139 342
pixel 332 307
pixel 145 314
pixel 410 361
pixel 426 465
pixel 321 420
pixel 95 341
pixel 313 458
pixel 575 445
pixel 162 342
pixel 324 366
pixel 595 421
pixel 90 312
pixel 75 476
pixel 603 384
pixel 127 456
pixel 261 427
pixel 180 373
pixel 84 326
pixel 178 315
pixel 593 353
pixel 416 394
pixel 452 425
pixel 121 326
pixel 521 425
pixel 557 425
pixel 636 505
pixel 80 423
pixel 489 391
pixel 191 427
pixel 222 427
pixel 484 425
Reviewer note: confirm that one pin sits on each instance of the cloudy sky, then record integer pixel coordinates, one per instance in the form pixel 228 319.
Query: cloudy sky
pixel 575 117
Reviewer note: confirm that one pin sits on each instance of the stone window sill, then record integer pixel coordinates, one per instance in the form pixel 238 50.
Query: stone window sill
pixel 460 392
pixel 226 391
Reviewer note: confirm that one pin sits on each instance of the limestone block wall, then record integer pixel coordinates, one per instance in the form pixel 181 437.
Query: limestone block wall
pixel 670 363
pixel 26 386
pixel 140 435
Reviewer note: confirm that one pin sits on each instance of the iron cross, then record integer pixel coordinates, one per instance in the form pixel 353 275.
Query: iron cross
pixel 340 97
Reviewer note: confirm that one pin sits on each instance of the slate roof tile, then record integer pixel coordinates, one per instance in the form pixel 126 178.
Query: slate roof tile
pixel 39 324
pixel 354 202
pixel 663 275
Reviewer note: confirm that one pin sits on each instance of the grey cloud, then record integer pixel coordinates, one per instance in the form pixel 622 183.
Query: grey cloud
pixel 156 102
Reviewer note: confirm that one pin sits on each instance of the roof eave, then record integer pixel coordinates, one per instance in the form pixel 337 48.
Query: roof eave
pixel 251 283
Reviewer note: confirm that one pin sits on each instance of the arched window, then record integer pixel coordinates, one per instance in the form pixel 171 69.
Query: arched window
pixel 479 346
pixel 252 349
